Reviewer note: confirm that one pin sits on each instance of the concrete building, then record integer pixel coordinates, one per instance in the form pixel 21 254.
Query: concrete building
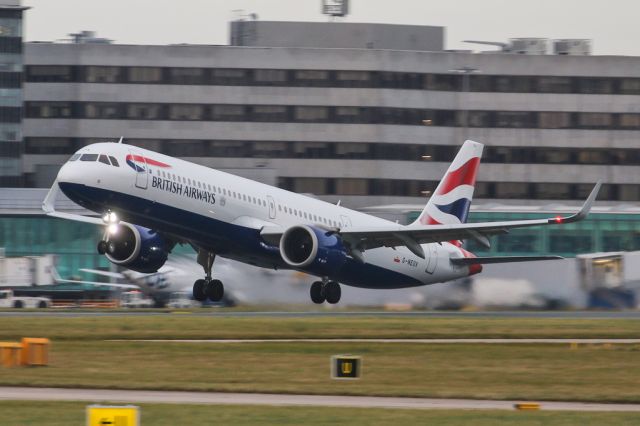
pixel 10 91
pixel 368 126
pixel 374 122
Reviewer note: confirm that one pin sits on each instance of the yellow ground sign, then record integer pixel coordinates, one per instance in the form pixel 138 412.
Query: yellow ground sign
pixel 101 415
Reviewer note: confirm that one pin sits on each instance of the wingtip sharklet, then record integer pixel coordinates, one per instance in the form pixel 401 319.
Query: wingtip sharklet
pixel 586 207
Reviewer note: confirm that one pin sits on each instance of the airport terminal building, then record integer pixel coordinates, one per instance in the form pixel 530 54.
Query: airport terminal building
pixel 369 114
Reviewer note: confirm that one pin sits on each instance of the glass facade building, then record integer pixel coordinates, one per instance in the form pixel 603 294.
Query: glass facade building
pixel 73 243
pixel 600 232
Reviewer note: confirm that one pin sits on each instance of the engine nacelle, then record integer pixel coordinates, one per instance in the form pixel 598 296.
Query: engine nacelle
pixel 136 248
pixel 312 249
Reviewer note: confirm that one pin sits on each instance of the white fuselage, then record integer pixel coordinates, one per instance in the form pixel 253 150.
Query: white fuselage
pixel 225 213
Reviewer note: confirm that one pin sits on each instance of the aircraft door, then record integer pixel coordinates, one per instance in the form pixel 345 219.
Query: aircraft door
pixel 432 258
pixel 345 221
pixel 272 207
pixel 139 164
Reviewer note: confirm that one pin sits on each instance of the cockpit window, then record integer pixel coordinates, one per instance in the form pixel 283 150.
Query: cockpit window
pixel 103 159
pixel 74 157
pixel 89 157
pixel 114 161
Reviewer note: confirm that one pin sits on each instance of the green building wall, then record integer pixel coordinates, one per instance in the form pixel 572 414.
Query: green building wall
pixel 73 243
pixel 600 232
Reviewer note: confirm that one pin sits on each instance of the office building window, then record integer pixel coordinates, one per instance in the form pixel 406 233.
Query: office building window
pixel 99 74
pixel 228 149
pixel 554 84
pixel 265 149
pixel 511 190
pixel 311 113
pixel 186 148
pixel 316 186
pixel 185 112
pixel 270 113
pixel 312 149
pixel 144 111
pixel 514 119
pixel 554 120
pixel 553 191
pixel 228 113
pixel 475 118
pixel 594 119
pixel 312 77
pixel 49 110
pixel 352 186
pixel 49 73
pixel 353 78
pixel 349 114
pixel 630 86
pixel 630 121
pixel 229 76
pixel 269 76
pixel 102 110
pixel 187 76
pixel 144 74
pixel 595 85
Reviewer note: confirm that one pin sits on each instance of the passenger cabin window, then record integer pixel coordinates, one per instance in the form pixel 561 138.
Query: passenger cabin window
pixel 74 157
pixel 103 159
pixel 89 157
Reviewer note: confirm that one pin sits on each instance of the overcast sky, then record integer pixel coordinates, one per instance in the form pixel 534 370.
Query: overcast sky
pixel 611 24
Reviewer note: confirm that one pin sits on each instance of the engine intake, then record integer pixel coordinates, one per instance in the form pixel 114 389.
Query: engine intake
pixel 312 249
pixel 136 248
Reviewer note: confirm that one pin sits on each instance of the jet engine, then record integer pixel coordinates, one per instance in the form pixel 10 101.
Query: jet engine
pixel 134 247
pixel 312 249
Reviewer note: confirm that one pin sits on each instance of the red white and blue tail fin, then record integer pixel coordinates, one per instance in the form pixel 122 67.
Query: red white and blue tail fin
pixel 451 200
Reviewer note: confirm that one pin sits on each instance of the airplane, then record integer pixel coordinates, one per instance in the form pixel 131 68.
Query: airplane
pixel 150 202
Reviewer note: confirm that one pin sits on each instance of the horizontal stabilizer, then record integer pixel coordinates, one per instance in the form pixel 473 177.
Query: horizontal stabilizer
pixel 467 261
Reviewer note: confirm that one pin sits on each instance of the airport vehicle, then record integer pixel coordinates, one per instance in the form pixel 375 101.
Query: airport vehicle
pixel 150 202
pixel 8 300
pixel 135 299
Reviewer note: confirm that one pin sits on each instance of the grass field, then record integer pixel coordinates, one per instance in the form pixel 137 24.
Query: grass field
pixel 19 413
pixel 81 357
pixel 178 326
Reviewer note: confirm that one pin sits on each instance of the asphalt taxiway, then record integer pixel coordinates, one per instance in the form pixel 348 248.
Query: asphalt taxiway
pixel 174 397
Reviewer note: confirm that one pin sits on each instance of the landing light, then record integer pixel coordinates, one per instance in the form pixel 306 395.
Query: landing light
pixel 113 228
pixel 110 217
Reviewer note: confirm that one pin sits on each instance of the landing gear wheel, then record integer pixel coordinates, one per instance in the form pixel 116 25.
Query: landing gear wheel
pixel 198 290
pixel 102 247
pixel 214 290
pixel 317 292
pixel 332 292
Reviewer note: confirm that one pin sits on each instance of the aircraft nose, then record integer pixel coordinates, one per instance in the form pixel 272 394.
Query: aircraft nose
pixel 65 174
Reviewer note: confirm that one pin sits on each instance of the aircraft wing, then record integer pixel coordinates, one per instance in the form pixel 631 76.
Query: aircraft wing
pixel 361 239
pixel 58 280
pixel 48 206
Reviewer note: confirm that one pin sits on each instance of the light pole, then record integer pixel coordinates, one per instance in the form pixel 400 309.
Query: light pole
pixel 464 111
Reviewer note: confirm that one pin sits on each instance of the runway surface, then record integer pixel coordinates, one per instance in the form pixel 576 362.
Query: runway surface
pixel 302 314
pixel 412 341
pixel 129 396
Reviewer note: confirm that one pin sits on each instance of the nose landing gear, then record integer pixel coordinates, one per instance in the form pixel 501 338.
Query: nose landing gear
pixel 322 291
pixel 208 287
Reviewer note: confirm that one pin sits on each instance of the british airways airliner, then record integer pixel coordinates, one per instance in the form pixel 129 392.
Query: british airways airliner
pixel 150 202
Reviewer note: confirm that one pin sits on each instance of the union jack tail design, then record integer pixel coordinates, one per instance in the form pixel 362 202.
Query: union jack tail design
pixel 451 200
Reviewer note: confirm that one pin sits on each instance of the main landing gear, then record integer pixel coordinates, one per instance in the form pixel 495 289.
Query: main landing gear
pixel 208 287
pixel 328 291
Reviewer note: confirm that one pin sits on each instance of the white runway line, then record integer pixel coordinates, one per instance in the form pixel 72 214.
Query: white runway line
pixel 217 398
pixel 421 341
